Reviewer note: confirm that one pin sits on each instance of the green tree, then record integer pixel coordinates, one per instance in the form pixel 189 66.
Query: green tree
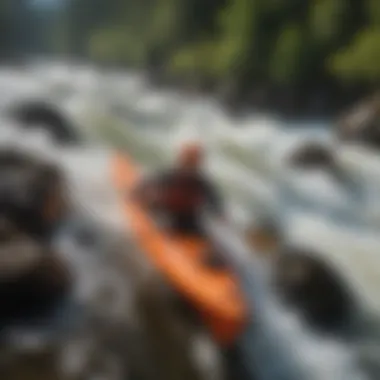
pixel 359 61
pixel 287 57
pixel 237 23
pixel 302 45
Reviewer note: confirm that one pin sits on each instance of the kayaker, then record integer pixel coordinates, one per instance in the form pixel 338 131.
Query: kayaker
pixel 180 194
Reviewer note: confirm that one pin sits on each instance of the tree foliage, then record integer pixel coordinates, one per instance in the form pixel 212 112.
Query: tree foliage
pixel 357 62
pixel 277 42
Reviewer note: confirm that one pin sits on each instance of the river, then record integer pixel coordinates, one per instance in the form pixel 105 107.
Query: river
pixel 247 158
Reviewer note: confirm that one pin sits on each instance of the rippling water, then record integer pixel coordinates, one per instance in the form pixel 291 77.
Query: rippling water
pixel 339 218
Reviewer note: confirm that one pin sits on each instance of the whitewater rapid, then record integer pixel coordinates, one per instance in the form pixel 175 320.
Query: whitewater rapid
pixel 339 219
pixel 248 159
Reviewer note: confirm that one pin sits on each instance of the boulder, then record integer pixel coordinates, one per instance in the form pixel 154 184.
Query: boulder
pixel 33 280
pixel 46 116
pixel 307 282
pixel 312 155
pixel 32 193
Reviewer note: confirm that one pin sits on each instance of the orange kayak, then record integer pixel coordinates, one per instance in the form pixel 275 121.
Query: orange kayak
pixel 212 292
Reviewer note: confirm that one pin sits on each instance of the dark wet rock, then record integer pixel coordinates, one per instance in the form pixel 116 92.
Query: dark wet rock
pixel 33 280
pixel 308 283
pixel 313 155
pixel 46 116
pixel 32 193
pixel 362 123
pixel 318 156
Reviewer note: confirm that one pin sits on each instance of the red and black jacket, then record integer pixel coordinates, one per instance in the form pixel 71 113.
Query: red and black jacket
pixel 183 193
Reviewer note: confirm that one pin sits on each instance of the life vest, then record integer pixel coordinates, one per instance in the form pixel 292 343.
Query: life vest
pixel 182 195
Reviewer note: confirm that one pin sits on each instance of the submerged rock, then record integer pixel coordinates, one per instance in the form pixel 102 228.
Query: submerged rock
pixel 308 283
pixel 303 280
pixel 313 155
